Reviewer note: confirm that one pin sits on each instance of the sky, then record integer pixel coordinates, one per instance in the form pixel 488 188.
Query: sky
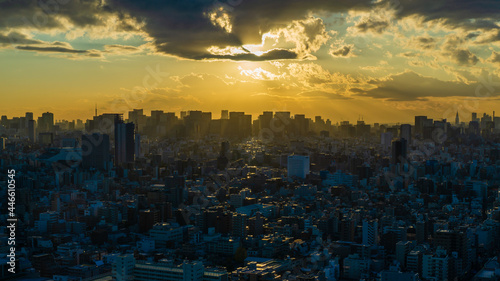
pixel 376 60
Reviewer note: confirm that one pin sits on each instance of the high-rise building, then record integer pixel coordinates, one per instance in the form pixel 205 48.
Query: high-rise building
pixel 2 143
pixel 31 130
pixel 455 242
pixel 406 133
pixel 95 151
pixel 399 149
pixel 436 266
pixel 224 114
pixel 124 142
pixel 239 225
pixel 46 122
pixel 474 117
pixel 370 232
pixel 419 124
pixel 123 268
pixel 175 186
pixel 298 166
pixel 137 146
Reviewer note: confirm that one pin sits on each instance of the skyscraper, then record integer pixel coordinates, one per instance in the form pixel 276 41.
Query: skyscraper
pixel 31 130
pixel 298 166
pixel 419 124
pixel 95 151
pixel 124 142
pixel 370 232
pixel 406 132
pixel 175 189
pixel 457 120
pixel 399 149
pixel 46 122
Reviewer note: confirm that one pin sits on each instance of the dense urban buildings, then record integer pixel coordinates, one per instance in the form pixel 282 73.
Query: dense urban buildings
pixel 278 196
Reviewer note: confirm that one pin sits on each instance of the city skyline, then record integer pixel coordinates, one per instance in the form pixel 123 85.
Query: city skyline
pixel 385 60
pixel 457 120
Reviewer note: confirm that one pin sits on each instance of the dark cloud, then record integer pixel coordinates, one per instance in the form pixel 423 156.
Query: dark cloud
pixel 341 52
pixel 410 86
pixel 480 14
pixel 495 58
pixel 188 28
pixel 17 38
pixel 60 49
pixel 377 26
pixel 184 29
pixel 47 14
pixel 465 57
pixel 276 54
pixel 51 49
pixel 423 42
pixel 121 47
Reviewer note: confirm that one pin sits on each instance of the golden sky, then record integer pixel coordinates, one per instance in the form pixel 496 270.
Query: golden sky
pixel 386 61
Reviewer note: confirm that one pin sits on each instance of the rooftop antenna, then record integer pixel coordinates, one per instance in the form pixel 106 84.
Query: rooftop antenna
pixel 96 109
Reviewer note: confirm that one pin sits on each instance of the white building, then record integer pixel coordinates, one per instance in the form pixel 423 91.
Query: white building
pixel 435 266
pixel 123 268
pixel 298 166
pixel 370 232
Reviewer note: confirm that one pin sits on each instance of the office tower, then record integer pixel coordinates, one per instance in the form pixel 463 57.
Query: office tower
pixel 399 149
pixel 436 266
pixel 347 229
pixel 403 248
pixel 239 225
pixel 239 125
pixel 256 225
pixel 370 232
pixel 123 267
pixel 2 143
pixel 104 124
pixel 301 125
pixel 281 123
pixel 29 116
pixel 265 120
pixel 474 117
pixel 95 151
pixel 175 189
pixel 386 140
pixel 419 124
pixel 147 219
pixel 457 120
pixel 406 133
pixel 124 142
pixel 46 122
pixel 223 158
pixel 224 114
pixel 455 241
pixel 298 166
pixel 137 117
pixel 137 146
pixel 362 129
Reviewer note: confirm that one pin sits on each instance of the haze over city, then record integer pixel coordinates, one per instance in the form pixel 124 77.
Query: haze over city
pixel 385 60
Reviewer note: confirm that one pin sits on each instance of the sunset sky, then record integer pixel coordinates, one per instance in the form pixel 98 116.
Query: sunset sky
pixel 384 60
